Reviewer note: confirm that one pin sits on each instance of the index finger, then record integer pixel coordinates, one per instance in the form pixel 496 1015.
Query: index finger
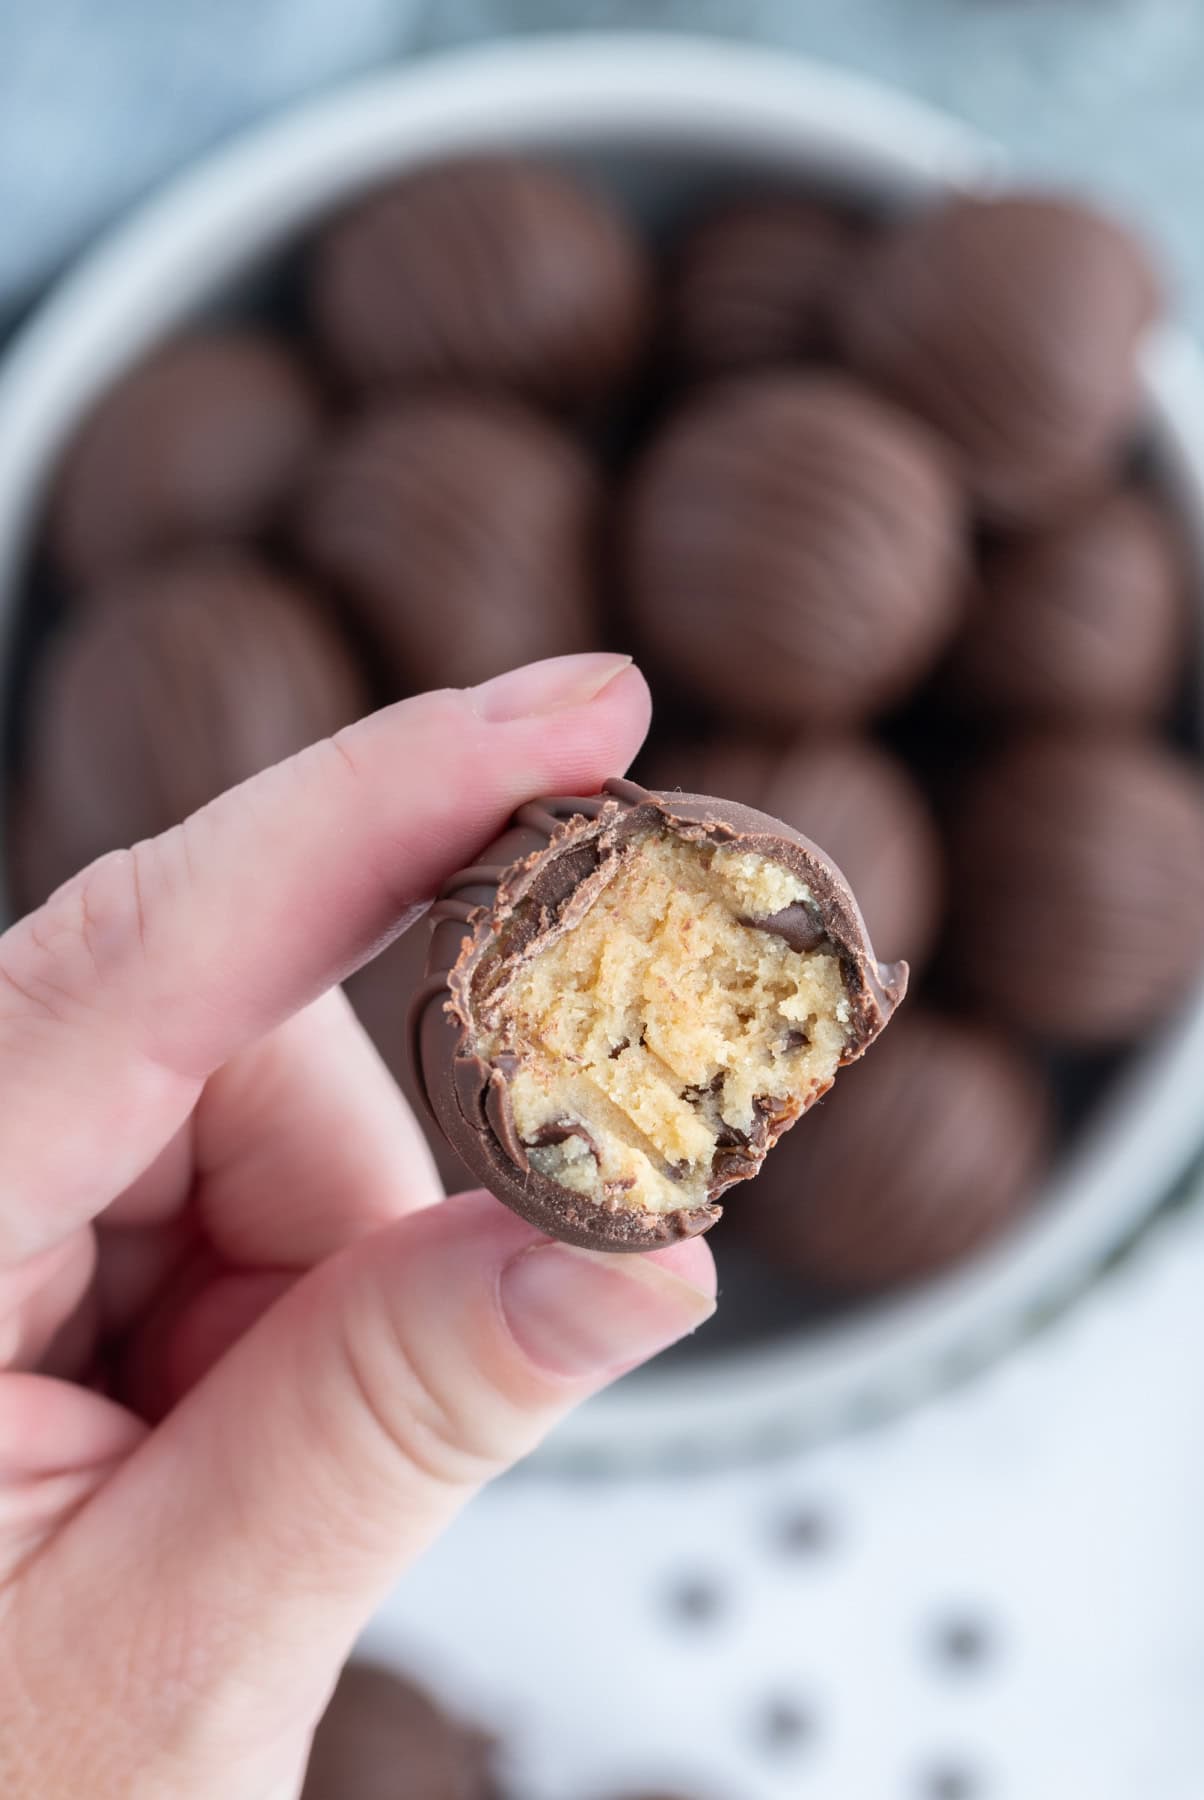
pixel 151 969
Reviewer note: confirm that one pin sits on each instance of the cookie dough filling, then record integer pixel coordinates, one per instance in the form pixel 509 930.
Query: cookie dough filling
pixel 657 1041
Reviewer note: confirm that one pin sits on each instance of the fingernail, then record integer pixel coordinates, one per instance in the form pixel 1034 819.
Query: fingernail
pixel 578 1313
pixel 547 687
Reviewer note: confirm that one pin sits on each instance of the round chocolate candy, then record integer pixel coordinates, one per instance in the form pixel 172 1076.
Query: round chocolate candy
pixel 383 1738
pixel 1078 885
pixel 1084 622
pixel 854 799
pixel 490 271
pixel 754 285
pixel 917 1159
pixel 1011 323
pixel 174 683
pixel 202 441
pixel 630 998
pixel 793 550
pixel 461 533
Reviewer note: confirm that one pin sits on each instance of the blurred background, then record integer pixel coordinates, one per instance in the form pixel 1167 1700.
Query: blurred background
pixel 996 1593
pixel 1104 91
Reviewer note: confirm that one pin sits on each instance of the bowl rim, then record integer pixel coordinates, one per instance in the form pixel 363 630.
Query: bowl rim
pixel 665 93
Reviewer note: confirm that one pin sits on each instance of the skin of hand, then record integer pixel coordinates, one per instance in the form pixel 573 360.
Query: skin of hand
pixel 211 1190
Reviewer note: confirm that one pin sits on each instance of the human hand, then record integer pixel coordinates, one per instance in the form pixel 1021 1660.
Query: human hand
pixel 210 1187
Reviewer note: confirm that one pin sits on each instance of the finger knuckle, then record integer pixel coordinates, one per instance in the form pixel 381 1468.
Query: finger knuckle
pixel 422 1422
pixel 56 960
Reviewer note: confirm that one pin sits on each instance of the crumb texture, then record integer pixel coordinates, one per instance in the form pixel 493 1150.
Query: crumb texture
pixel 665 1033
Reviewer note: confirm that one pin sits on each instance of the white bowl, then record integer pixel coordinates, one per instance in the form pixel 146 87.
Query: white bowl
pixel 658 115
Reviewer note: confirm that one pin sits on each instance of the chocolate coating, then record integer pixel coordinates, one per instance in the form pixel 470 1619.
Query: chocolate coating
pixel 381 993
pixel 204 440
pixel 525 884
pixel 1011 324
pixel 382 1738
pixel 1083 622
pixel 853 799
pixel 460 532
pixel 1078 883
pixel 755 283
pixel 793 550
pixel 487 270
pixel 173 684
pixel 917 1158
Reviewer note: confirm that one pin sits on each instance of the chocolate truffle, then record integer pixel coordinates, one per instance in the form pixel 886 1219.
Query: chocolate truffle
pixel 381 993
pixel 460 532
pixel 854 799
pixel 174 683
pixel 1083 622
pixel 754 285
pixel 917 1158
pixel 382 1738
pixel 202 441
pixel 490 271
pixel 650 991
pixel 793 550
pixel 1011 323
pixel 1078 881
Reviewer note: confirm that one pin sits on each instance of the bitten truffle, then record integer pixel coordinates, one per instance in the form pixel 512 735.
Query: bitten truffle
pixel 917 1159
pixel 630 999
pixel 382 1738
pixel 793 550
pixel 755 284
pixel 461 533
pixel 1083 622
pixel 202 441
pixel 488 270
pixel 1078 879
pixel 853 799
pixel 1011 323
pixel 173 684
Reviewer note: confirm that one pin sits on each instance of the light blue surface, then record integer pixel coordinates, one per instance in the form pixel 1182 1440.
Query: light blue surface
pixel 97 101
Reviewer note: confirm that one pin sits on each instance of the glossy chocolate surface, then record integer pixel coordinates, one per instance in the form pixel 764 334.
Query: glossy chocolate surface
pixel 202 441
pixel 1011 323
pixel 918 1158
pixel 488 270
pixel 792 550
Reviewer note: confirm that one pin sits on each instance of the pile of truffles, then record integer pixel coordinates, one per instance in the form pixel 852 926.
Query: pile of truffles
pixel 871 499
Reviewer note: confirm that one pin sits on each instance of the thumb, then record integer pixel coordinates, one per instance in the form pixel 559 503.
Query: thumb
pixel 256 1530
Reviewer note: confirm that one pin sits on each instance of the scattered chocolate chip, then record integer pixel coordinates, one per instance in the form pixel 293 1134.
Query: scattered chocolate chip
pixel 697 1600
pixel 786 1726
pixel 951 1781
pixel 804 1531
pixel 964 1642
